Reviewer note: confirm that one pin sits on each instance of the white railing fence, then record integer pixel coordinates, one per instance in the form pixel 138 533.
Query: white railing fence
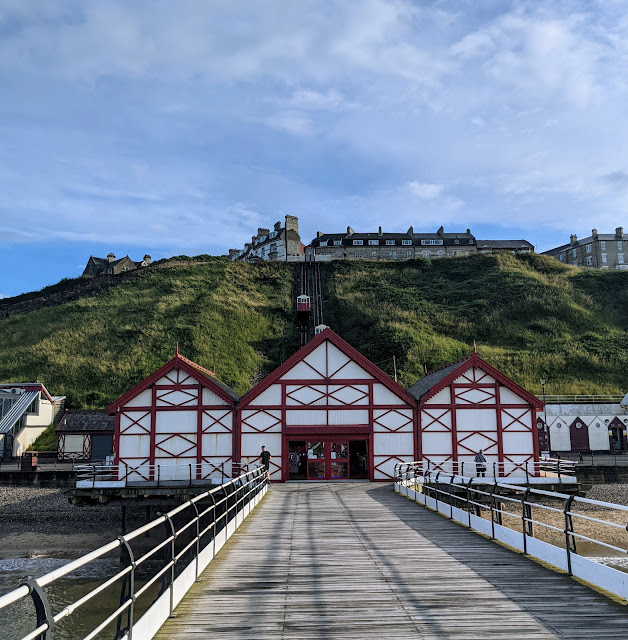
pixel 565 531
pixel 157 563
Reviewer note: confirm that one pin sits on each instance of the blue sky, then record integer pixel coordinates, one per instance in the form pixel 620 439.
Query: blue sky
pixel 167 127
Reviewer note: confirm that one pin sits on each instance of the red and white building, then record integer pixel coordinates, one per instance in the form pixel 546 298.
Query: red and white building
pixel 328 413
pixel 469 405
pixel 179 420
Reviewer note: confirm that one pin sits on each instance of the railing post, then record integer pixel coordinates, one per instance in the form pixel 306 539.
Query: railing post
pixel 493 510
pixel 127 591
pixel 158 474
pixel 190 466
pixel 469 499
pixel 436 488
pixel 527 474
pixel 524 523
pixel 494 472
pixel 198 539
pixel 42 608
pixel 173 556
pixel 569 539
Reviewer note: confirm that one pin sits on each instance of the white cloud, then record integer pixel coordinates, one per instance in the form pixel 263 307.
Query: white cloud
pixel 424 190
pixel 291 122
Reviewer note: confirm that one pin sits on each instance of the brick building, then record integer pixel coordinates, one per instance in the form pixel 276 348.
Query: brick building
pixel 598 251
pixel 111 265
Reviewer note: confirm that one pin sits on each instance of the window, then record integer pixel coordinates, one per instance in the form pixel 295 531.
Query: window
pixel 424 242
pixel 456 241
pixel 620 245
pixel 323 243
pixel 573 253
pixel 589 261
pixel 337 243
pixel 575 263
pixel 273 234
pixel 358 254
pixel 455 252
pixel 406 242
pixel 604 255
pixel 603 245
pixel 425 254
pixel 390 243
pixel 392 255
pixel 620 258
pixel 358 242
pixel 441 253
pixel 409 254
pixel 373 254
pixel 471 241
pixel 374 243
pixel 589 248
pixel 561 257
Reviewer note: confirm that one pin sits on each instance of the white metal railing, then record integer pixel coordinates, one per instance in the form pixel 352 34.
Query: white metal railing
pixel 581 399
pixel 155 475
pixel 507 513
pixel 549 469
pixel 192 535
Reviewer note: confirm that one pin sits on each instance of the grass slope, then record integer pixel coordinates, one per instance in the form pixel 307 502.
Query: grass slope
pixel 530 316
pixel 223 314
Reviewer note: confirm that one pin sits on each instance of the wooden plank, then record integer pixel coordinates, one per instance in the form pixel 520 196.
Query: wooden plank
pixel 356 561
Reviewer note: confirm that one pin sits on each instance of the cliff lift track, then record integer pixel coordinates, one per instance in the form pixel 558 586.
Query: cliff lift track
pixel 310 284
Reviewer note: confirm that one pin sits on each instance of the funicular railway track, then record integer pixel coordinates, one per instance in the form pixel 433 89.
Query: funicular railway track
pixel 310 284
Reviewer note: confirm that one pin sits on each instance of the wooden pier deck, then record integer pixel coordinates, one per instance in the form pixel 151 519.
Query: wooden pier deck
pixel 357 561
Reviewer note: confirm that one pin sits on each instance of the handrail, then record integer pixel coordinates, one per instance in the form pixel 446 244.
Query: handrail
pixel 455 494
pixel 584 399
pixel 246 489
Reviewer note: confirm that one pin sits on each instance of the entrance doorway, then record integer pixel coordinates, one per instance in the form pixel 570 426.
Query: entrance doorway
pixel 335 458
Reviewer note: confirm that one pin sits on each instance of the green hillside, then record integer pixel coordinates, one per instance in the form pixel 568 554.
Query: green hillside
pixel 529 315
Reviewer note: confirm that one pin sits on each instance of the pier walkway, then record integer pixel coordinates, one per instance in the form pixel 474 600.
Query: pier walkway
pixel 357 561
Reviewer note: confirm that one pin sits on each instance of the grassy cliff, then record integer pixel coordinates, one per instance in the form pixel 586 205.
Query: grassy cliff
pixel 529 315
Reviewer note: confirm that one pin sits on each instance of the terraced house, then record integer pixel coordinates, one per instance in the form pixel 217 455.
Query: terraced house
pixel 597 251
pixel 404 246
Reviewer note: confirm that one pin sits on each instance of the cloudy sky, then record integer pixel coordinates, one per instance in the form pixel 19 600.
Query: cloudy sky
pixel 180 127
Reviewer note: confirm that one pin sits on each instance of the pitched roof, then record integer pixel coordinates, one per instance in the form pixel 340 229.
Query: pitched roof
pixel 204 376
pixel 79 420
pixel 433 382
pixel 342 345
pixel 504 244
pixel 32 386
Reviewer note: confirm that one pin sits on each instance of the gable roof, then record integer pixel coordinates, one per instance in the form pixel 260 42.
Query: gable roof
pixel 433 382
pixel 80 420
pixel 31 386
pixel 327 335
pixel 205 377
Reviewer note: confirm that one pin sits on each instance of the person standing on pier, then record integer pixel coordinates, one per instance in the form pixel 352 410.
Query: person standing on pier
pixel 480 464
pixel 265 460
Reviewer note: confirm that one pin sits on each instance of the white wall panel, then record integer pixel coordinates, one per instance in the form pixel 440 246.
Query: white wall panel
pixel 336 360
pixel 351 371
pixel 392 419
pixel 143 399
pixel 135 422
pixel 217 420
pixel 385 469
pixel 176 421
pixel 210 398
pixel 516 419
pixel 508 397
pixel 134 446
pixel 436 443
pixel 442 397
pixel 476 420
pixel 306 417
pixel 350 416
pixel 348 395
pixel 217 444
pixel 382 395
pixel 169 445
pixel 300 395
pixel 186 397
pixel 478 441
pixel 560 439
pixel 318 359
pixel 436 420
pixel 266 419
pixel 301 371
pixel 393 444
pixel 270 396
pixel 521 443
pixel 598 436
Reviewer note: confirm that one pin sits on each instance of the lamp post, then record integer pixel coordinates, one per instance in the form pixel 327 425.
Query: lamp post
pixel 543 381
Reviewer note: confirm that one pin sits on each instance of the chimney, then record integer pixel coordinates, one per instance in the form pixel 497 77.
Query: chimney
pixel 292 224
pixel 379 233
pixel 619 232
pixel 147 259
pixel 253 239
pixel 440 231
pixel 594 233
pixel 111 257
pixel 234 253
pixel 573 238
pixel 468 232
pixel 319 234
pixel 277 227
pixel 350 231
pixel 410 230
pixel 262 232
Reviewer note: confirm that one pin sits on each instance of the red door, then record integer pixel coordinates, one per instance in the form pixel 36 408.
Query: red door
pixel 328 459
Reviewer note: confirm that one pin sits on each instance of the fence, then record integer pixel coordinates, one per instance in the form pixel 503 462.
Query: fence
pixel 549 470
pixel 582 399
pixel 155 475
pixel 513 515
pixel 192 535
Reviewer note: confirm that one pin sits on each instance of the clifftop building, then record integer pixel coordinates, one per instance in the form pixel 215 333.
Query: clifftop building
pixel 598 251
pixel 280 244
pixel 404 246
pixel 112 266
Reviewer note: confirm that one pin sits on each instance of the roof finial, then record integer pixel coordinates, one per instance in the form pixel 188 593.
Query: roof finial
pixel 176 350
pixel 475 347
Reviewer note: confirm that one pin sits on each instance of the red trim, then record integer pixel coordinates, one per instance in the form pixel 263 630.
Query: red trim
pixel 183 407
pixel 500 428
pixel 327 335
pixel 474 360
pixel 153 430
pixel 201 375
